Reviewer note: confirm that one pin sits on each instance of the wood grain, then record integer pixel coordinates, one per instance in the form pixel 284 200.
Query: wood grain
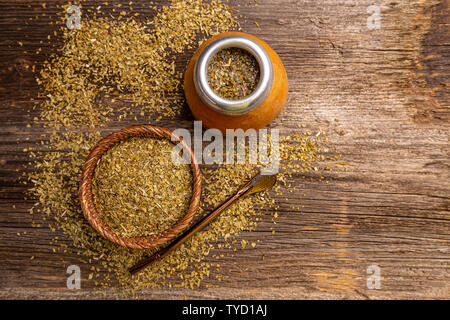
pixel 387 204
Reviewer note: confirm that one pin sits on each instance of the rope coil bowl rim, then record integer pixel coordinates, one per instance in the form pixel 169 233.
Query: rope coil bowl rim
pixel 87 198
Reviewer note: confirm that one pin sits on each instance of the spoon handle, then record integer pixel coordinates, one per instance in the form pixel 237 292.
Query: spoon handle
pixel 191 231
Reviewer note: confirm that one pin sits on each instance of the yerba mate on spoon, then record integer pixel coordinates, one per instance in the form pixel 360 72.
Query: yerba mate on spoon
pixel 259 183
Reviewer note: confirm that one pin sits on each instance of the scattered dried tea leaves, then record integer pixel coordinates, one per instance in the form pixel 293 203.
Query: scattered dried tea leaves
pixel 233 73
pixel 123 60
pixel 109 69
pixel 96 79
pixel 186 267
pixel 138 190
pixel 93 70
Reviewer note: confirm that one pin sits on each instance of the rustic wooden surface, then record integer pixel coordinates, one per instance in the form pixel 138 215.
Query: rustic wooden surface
pixel 388 88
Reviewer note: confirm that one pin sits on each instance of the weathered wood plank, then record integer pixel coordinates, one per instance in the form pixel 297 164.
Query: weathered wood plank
pixel 388 88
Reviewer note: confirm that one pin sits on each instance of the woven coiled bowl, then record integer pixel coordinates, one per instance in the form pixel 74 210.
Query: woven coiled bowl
pixel 86 196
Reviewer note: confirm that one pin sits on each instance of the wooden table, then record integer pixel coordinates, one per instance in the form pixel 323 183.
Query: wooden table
pixel 380 92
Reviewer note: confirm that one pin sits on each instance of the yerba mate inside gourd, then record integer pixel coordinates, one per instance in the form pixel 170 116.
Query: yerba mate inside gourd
pixel 233 73
pixel 138 190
